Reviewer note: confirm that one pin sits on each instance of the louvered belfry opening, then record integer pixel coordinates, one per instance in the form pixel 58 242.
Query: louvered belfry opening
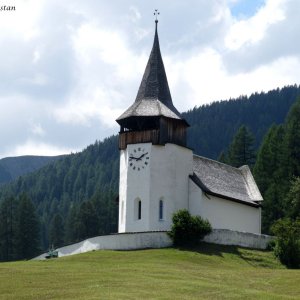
pixel 152 117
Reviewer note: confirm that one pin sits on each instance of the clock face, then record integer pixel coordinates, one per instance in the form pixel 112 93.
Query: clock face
pixel 139 159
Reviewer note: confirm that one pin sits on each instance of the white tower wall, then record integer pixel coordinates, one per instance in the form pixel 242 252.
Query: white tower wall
pixel 165 178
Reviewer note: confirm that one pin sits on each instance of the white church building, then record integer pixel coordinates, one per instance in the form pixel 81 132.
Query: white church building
pixel 159 174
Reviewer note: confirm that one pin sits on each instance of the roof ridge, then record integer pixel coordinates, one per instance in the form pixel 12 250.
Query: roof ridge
pixel 218 162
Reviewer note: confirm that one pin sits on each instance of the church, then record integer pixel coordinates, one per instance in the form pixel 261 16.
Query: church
pixel 160 175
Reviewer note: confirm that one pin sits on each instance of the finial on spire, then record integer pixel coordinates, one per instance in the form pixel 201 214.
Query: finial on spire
pixel 156 14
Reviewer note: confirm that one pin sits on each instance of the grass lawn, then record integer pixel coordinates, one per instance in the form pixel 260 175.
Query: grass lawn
pixel 206 272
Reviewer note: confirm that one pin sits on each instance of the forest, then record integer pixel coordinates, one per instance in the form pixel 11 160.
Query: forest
pixel 76 196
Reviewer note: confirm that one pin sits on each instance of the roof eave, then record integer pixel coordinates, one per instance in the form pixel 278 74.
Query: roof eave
pixel 206 190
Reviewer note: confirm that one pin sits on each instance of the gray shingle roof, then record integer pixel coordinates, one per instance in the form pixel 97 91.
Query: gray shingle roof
pixel 153 97
pixel 215 178
pixel 148 108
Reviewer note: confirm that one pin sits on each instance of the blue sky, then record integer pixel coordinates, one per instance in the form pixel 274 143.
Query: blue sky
pixel 245 8
pixel 69 68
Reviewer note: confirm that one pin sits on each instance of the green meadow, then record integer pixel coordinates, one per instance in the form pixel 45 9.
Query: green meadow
pixel 206 272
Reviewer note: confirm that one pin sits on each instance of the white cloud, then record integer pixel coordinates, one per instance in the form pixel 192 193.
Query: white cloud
pixel 72 67
pixel 253 29
pixel 37 129
pixel 31 147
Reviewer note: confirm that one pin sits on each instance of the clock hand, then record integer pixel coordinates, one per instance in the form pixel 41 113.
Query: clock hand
pixel 132 157
pixel 142 156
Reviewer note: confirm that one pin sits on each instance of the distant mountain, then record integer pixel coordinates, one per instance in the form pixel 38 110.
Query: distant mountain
pixel 13 167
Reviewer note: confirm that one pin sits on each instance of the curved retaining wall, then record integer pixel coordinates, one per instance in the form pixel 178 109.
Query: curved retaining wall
pixel 159 239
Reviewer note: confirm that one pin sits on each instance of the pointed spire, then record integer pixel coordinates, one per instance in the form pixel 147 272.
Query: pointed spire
pixel 154 85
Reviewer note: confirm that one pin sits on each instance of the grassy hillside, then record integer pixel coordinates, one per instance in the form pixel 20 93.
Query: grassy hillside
pixel 214 272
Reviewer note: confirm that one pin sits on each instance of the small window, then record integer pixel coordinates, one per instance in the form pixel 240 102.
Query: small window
pixel 161 209
pixel 140 210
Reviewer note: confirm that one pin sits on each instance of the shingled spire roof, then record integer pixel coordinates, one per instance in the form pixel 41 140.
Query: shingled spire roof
pixel 153 97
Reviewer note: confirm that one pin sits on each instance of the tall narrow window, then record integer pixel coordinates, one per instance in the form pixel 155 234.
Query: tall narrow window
pixel 161 209
pixel 139 209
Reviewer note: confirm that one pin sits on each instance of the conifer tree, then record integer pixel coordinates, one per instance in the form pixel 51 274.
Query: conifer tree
pixel 56 234
pixel 87 221
pixel 292 140
pixel 269 176
pixel 8 229
pixel 241 151
pixel 28 231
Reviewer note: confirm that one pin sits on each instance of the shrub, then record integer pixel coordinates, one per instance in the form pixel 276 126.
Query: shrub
pixel 188 229
pixel 287 243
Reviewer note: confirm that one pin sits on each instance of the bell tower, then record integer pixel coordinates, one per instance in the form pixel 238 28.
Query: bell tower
pixel 154 160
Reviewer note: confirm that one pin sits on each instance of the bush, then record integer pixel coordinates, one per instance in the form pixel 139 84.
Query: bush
pixel 287 243
pixel 187 229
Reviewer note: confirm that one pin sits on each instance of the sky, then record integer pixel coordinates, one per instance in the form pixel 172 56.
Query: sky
pixel 69 68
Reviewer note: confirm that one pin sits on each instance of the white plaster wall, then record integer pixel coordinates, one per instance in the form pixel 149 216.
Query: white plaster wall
pixel 222 213
pixel 170 169
pixel 166 177
pixel 236 238
pixel 134 184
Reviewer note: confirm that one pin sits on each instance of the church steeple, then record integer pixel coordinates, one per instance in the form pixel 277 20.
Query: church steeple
pixel 153 117
pixel 154 85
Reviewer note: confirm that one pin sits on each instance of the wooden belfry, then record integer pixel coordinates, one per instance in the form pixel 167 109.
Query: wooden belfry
pixel 152 117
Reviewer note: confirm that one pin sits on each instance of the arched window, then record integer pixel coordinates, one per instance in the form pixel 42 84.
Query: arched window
pixel 138 209
pixel 161 209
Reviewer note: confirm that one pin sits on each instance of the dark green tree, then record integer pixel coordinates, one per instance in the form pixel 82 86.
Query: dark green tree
pixel 188 229
pixel 28 229
pixel 71 225
pixel 287 243
pixel 87 221
pixel 56 233
pixel 241 150
pixel 268 173
pixel 269 158
pixel 292 140
pixel 292 203
pixel 8 228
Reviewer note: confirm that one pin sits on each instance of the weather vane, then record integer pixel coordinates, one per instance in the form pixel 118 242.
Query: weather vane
pixel 156 13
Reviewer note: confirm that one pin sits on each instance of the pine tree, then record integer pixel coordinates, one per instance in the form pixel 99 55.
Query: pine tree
pixel 292 140
pixel 87 221
pixel 270 158
pixel 28 231
pixel 241 151
pixel 8 211
pixel 56 234
pixel 71 225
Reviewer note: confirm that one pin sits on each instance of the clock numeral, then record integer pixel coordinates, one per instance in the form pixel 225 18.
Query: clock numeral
pixel 130 164
pixel 133 168
pixel 147 157
pixel 146 163
pixel 139 149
